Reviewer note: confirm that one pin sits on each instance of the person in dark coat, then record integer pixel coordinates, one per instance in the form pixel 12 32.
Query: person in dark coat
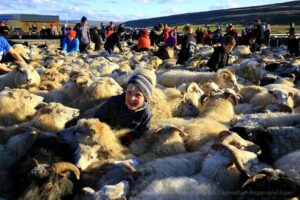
pixel 253 45
pixel 156 35
pixel 293 45
pixel 188 45
pixel 220 56
pixel 258 32
pixel 292 29
pixel 114 39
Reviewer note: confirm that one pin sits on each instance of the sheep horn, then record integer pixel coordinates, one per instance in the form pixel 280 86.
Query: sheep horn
pixel 181 132
pixel 61 167
pixel 192 87
pixel 204 98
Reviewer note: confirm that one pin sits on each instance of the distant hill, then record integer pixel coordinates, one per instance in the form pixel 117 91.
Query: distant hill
pixel 91 23
pixel 280 13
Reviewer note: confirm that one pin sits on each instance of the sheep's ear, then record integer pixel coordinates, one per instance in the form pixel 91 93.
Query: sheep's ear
pixel 232 98
pixel 272 92
pixel 41 105
pixel 291 94
pixel 225 74
pixel 204 98
pixel 223 134
pixel 253 179
pixel 181 132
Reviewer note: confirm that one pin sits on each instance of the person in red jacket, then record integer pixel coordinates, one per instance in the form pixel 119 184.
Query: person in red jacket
pixel 144 41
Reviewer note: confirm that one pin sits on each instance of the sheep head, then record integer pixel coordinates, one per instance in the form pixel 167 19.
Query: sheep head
pixel 25 76
pixel 168 140
pixel 231 138
pixel 53 116
pixel 281 95
pixel 50 182
pixel 226 79
pixel 272 181
pixel 85 155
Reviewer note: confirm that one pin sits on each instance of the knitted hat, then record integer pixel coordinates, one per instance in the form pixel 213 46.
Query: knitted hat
pixel 143 83
pixel 83 19
pixel 72 33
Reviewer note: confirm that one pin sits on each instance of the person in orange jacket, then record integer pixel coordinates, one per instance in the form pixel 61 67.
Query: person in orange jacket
pixel 144 41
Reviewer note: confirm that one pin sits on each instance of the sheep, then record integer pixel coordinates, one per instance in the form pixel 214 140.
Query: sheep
pixel 294 91
pixel 275 142
pixel 176 188
pixel 173 78
pixel 90 136
pixel 22 76
pixel 265 120
pixel 117 191
pixel 97 92
pixel 178 165
pixel 159 106
pixel 49 182
pixel 272 96
pixel 289 164
pixel 215 173
pixel 182 105
pixel 16 147
pixel 39 166
pixel 165 141
pixel 219 108
pixel 107 176
pixel 52 117
pixel 17 105
pixel 269 184
pixel 250 70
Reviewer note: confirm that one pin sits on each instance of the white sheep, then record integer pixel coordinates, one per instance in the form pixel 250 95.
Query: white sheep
pixel 289 164
pixel 173 78
pixel 22 76
pixel 97 92
pixel 17 105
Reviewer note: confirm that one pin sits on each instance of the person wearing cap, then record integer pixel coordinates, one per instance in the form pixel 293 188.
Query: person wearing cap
pixel 129 110
pixel 188 45
pixel 83 34
pixel 144 41
pixel 70 43
pixel 7 53
pixel 114 39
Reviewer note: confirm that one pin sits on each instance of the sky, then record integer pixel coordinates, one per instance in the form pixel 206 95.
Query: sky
pixel 120 10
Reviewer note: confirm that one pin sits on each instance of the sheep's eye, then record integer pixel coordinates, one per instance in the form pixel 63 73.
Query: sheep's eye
pixel 91 157
pixel 28 97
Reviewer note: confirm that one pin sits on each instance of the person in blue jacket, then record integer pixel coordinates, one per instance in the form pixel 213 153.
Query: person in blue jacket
pixel 71 43
pixel 130 109
pixel 7 53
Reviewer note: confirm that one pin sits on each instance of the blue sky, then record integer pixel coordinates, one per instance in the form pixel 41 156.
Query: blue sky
pixel 118 10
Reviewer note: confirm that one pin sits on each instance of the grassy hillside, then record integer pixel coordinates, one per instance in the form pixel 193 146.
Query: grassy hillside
pixel 281 13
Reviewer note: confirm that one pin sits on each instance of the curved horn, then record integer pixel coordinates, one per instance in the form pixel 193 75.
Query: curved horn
pixel 181 132
pixel 204 98
pixel 61 167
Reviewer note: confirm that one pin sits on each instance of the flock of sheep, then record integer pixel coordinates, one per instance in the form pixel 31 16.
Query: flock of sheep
pixel 230 134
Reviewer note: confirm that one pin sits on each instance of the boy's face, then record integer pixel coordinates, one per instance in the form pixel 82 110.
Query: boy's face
pixel 134 97
pixel 228 48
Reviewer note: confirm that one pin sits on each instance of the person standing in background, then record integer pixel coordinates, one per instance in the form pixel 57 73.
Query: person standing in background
pixel 258 32
pixel 83 34
pixel 144 41
pixel 267 35
pixel 188 46
pixel 4 30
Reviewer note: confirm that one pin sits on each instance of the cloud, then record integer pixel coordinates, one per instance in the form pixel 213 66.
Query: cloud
pixel 143 1
pixel 228 4
pixel 171 11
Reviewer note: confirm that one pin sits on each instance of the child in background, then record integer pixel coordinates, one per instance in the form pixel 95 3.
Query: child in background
pixel 188 46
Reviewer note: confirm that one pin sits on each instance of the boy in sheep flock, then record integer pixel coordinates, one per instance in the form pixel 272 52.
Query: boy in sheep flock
pixel 220 56
pixel 130 109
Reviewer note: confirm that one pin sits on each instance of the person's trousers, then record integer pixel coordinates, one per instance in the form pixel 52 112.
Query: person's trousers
pixel 82 47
